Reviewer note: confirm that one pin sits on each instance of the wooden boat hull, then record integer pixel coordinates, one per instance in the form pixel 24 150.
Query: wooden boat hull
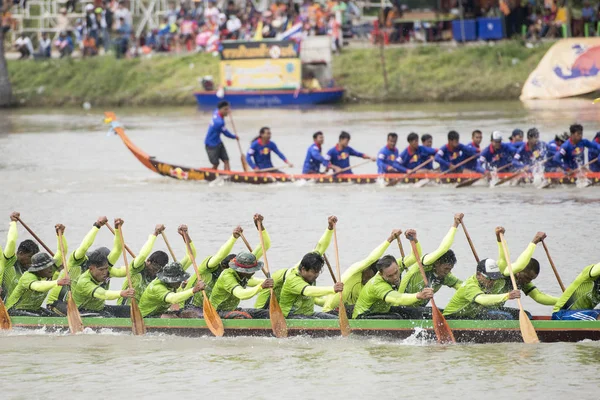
pixel 271 98
pixel 208 174
pixel 465 331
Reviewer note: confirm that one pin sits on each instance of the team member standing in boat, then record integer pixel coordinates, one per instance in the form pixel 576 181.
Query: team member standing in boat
pixel 453 153
pixel 593 154
pixel 164 291
pixel 387 158
pixel 280 276
pixel 212 266
pixel 359 273
pixel 572 153
pixel 531 152
pixel 14 264
pixel 33 286
pixel 581 297
pixel 438 267
pixel 380 298
pixel 237 283
pixel 497 154
pixel 214 146
pixel 259 153
pixel 314 159
pixel 414 154
pixel 340 154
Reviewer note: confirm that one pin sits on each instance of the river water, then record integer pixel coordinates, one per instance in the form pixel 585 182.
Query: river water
pixel 59 166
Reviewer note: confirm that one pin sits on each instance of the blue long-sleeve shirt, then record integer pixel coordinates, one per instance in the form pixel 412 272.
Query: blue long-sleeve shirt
pixel 410 158
pixel 215 129
pixel 526 155
pixel 491 158
pixel 387 161
pixel 341 158
pixel 571 156
pixel 314 160
pixel 472 165
pixel 259 154
pixel 447 156
pixel 593 154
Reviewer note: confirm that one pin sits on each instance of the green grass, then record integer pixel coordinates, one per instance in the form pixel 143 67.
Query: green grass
pixel 431 73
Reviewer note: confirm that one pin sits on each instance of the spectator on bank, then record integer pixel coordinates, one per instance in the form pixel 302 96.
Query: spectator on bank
pixel 334 32
pixel 588 14
pixel 63 23
pixel 23 45
pixel 103 28
pixel 64 44
pixel 45 46
pixel 561 19
pixel 5 20
pixel 234 24
pixel 187 29
pixel 122 12
pixel 91 23
pixel 122 43
pixel 211 14
pixel 90 48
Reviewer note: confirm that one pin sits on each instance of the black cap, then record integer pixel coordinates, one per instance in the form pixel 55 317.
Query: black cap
pixel 489 268
pixel 40 262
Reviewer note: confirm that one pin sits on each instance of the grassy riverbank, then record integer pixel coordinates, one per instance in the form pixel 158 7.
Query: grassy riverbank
pixel 426 73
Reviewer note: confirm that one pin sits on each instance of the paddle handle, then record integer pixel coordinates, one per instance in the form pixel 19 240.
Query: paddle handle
pixel 352 166
pixel 562 286
pixel 508 263
pixel 164 236
pixel 470 241
pixel 110 228
pixel 271 169
pixel 460 164
pixel 329 267
pixel 262 244
pixel 337 255
pixel 419 262
pixel 400 247
pixel 63 256
pixel 36 237
pixel 423 164
pixel 125 259
pixel 242 158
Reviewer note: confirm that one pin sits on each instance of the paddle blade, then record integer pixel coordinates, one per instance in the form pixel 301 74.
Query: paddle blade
pixel 422 183
pixel 75 323
pixel 441 328
pixel 344 323
pixel 277 319
pixel 467 183
pixel 527 329
pixel 5 322
pixel 596 101
pixel 138 327
pixel 212 319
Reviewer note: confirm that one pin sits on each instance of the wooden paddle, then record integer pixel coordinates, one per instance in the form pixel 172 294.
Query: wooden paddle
pixel 441 328
pixel 35 237
pixel 511 177
pixel 137 321
pixel 560 283
pixel 126 247
pixel 242 157
pixel 527 330
pixel 278 324
pixel 5 322
pixel 344 323
pixel 341 171
pixel 329 268
pixel 460 164
pixel 470 241
pixel 73 316
pixel 570 174
pixel 472 181
pixel 400 247
pixel 164 236
pixel 272 169
pixel 211 317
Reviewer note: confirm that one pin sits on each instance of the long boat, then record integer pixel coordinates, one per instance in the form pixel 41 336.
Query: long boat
pixel 270 98
pixel 465 331
pixel 180 172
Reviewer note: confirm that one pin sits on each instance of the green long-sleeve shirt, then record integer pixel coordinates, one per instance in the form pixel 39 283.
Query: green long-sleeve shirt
pixel 298 296
pixel 158 297
pixel 583 293
pixel 230 289
pixel 378 296
pixel 279 276
pixel 30 292
pixel 209 267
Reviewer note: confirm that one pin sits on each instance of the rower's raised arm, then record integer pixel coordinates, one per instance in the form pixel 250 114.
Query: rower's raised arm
pixel 117 249
pixel 60 230
pixel 186 261
pixel 375 255
pixel 325 240
pixel 223 252
pixel 258 251
pixel 87 241
pixel 446 243
pixel 411 259
pixel 521 263
pixel 11 241
pixel 139 261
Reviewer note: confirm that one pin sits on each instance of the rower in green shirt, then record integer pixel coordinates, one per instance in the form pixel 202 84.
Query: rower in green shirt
pixel 237 283
pixel 77 263
pixel 380 298
pixel 279 276
pixel 355 277
pixel 33 286
pixel 163 292
pixel 212 266
pixel 581 297
pixel 14 264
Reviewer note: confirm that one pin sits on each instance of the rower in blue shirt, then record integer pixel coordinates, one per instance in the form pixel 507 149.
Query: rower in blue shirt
pixel 516 139
pixel 387 158
pixel 340 154
pixel 497 154
pixel 453 153
pixel 593 154
pixel 427 141
pixel 552 149
pixel 531 152
pixel 214 146
pixel 259 153
pixel 314 159
pixel 414 154
pixel 572 153
pixel 475 145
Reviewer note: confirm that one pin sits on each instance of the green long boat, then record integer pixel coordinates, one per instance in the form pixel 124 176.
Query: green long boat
pixel 465 331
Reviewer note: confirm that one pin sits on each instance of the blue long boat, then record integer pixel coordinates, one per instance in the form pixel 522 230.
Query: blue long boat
pixel 271 98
